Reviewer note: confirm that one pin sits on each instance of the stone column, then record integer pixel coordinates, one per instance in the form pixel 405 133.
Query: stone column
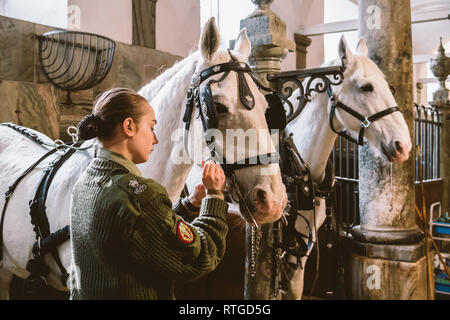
pixel 144 21
pixel 388 256
pixel 301 43
pixel 440 66
pixel 267 33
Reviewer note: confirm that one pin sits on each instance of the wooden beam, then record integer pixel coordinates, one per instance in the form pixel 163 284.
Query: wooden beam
pixel 144 21
pixel 436 14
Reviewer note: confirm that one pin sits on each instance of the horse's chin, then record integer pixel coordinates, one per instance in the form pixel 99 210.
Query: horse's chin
pixel 263 216
pixel 392 155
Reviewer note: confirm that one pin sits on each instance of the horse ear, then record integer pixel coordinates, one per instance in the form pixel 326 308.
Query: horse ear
pixel 243 45
pixel 361 48
pixel 345 53
pixel 210 39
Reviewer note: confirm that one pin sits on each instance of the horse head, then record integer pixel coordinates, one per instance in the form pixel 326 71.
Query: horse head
pixel 366 91
pixel 231 122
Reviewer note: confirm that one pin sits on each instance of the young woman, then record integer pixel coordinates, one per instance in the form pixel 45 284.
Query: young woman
pixel 128 241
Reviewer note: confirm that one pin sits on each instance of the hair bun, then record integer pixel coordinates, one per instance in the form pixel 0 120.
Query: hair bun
pixel 89 127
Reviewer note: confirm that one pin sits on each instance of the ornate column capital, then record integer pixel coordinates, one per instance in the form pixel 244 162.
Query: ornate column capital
pixel 440 66
pixel 267 34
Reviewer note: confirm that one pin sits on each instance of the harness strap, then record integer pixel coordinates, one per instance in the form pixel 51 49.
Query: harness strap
pixel 25 132
pixel 43 246
pixel 11 190
pixel 248 162
pixel 326 187
pixel 38 214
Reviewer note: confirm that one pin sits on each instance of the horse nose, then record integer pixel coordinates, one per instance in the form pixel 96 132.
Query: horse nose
pixel 261 198
pixel 399 151
pixel 399 147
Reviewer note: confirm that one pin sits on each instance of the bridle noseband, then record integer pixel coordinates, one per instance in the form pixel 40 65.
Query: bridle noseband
pixel 365 121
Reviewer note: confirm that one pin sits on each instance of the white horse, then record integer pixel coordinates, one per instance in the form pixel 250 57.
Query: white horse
pixel 167 94
pixel 366 91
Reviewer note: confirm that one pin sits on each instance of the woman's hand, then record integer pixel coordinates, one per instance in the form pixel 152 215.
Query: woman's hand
pixel 213 177
pixel 197 196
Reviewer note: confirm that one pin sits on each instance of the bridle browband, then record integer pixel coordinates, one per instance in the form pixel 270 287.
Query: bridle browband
pixel 365 121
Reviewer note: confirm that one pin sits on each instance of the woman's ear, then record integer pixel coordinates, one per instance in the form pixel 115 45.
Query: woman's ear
pixel 129 127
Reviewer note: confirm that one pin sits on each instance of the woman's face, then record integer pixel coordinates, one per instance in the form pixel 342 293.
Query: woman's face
pixel 142 143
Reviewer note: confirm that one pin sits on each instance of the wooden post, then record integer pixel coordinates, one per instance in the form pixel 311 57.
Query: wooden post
pixel 301 43
pixel 144 21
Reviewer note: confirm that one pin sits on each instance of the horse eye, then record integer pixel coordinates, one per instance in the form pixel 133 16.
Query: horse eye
pixel 366 88
pixel 221 108
pixel 392 88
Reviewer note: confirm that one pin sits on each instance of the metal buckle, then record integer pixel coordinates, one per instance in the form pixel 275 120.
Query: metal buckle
pixel 366 123
pixel 9 192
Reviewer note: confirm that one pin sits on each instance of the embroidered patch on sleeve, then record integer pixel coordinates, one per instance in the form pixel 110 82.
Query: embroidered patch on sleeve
pixel 138 188
pixel 184 233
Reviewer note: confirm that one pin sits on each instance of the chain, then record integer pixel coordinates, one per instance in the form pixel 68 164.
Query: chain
pixel 391 197
pixel 280 273
pixel 256 234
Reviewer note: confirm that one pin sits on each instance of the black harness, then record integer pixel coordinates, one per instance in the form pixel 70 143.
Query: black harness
pixel 201 97
pixel 46 242
pixel 365 121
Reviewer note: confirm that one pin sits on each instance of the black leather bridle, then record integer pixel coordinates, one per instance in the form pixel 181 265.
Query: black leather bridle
pixel 196 98
pixel 365 121
pixel 201 98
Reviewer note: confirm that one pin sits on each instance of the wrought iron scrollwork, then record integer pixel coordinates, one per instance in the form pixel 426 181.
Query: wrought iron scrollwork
pixel 306 81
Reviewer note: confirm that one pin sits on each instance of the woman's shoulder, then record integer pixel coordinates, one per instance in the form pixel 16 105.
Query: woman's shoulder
pixel 143 189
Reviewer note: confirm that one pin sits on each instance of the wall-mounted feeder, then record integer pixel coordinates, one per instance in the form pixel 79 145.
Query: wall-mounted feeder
pixel 74 60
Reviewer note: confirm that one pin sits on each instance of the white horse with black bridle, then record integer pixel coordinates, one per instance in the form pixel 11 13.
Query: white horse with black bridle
pixel 263 194
pixel 366 92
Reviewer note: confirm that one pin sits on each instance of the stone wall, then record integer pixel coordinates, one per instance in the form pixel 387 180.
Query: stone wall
pixel 29 99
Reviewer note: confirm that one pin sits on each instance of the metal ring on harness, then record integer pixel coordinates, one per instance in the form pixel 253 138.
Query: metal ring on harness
pixel 74 134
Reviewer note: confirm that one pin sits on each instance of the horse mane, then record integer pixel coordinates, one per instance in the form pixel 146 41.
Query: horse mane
pixel 177 78
pixel 154 86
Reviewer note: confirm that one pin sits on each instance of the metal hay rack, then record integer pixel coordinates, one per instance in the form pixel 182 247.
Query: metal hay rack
pixel 74 60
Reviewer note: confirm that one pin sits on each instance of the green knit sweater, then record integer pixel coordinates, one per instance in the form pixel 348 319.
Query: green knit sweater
pixel 129 243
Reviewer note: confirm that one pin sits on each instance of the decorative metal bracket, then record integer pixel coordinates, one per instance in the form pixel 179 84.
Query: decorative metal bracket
pixel 307 81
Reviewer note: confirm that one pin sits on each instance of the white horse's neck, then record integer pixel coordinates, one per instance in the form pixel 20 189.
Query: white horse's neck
pixel 312 135
pixel 167 95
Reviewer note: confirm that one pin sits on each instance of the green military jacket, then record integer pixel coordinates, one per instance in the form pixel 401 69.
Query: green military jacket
pixel 129 242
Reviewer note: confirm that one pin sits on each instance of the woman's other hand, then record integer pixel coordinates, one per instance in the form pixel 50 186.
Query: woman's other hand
pixel 213 177
pixel 197 196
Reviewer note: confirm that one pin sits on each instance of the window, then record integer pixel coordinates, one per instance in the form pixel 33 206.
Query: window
pixel 228 15
pixel 48 12
pixel 335 11
pixel 339 10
